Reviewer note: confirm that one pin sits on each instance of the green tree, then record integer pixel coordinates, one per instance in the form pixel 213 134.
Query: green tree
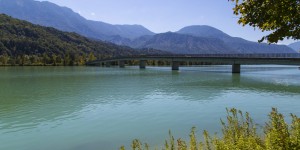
pixel 67 59
pixel 281 17
pixel 92 57
pixel 46 59
pixel 33 59
pixel 54 59
pixel 4 59
pixel 59 59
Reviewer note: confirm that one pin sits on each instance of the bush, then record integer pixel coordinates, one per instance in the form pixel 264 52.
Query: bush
pixel 240 133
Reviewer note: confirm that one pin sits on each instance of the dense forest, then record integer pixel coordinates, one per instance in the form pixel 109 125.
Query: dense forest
pixel 23 43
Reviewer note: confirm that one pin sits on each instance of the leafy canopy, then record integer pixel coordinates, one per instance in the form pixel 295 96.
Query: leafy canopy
pixel 281 17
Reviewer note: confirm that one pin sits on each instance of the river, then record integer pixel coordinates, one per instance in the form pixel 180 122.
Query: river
pixel 74 108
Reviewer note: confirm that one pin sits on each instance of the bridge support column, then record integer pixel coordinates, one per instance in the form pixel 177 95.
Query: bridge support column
pixel 175 65
pixel 121 64
pixel 107 64
pixel 142 64
pixel 236 68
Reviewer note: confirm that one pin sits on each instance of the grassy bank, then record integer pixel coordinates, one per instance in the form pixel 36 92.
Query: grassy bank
pixel 239 132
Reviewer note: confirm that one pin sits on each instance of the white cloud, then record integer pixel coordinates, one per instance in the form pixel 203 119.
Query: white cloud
pixel 93 14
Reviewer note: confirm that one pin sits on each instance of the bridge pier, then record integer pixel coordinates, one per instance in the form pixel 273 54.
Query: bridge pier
pixel 236 68
pixel 142 64
pixel 121 64
pixel 175 65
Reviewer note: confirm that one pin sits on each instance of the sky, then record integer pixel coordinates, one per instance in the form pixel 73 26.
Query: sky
pixel 165 15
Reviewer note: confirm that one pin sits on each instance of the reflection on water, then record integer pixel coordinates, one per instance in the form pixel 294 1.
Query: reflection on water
pixel 70 108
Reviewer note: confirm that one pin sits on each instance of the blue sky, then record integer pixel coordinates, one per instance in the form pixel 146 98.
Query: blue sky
pixel 165 15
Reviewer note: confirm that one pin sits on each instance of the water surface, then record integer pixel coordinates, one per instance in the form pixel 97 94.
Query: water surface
pixel 74 108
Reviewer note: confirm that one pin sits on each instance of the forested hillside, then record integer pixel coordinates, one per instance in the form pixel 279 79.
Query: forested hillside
pixel 22 43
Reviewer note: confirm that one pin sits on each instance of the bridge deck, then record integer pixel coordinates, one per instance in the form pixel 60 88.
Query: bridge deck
pixel 227 59
pixel 281 59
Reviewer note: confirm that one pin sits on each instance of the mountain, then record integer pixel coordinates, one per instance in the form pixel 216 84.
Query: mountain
pixel 189 40
pixel 182 44
pixel 295 46
pixel 236 44
pixel 62 18
pixel 203 40
pixel 203 31
pixel 23 43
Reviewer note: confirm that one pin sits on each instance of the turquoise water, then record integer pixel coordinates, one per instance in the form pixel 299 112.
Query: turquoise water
pixel 74 108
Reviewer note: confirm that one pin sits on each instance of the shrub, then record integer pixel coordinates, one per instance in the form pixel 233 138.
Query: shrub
pixel 240 133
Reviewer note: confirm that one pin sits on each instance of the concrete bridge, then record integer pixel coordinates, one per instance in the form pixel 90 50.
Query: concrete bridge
pixel 236 60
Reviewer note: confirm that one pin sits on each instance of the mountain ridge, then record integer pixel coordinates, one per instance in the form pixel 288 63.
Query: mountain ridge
pixel 295 46
pixel 182 44
pixel 205 30
pixel 191 39
pixel 204 39
pixel 49 14
pixel 24 43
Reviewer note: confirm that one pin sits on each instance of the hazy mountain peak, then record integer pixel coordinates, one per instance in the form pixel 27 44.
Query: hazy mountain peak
pixel 203 31
pixel 295 46
pixel 205 40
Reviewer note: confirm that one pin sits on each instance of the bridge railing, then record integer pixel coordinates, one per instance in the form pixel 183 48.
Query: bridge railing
pixel 253 55
pixel 257 55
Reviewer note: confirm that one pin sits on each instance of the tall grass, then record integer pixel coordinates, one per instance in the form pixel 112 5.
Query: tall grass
pixel 239 132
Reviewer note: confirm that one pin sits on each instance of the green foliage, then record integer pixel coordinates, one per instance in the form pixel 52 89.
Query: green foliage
pixel 137 145
pixel 22 43
pixel 240 133
pixel 280 135
pixel 279 16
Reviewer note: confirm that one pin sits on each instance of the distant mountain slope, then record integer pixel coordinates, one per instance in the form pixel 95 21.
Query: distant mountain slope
pixel 182 44
pixel 238 45
pixel 24 43
pixel 203 31
pixel 203 40
pixel 62 18
pixel 295 46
